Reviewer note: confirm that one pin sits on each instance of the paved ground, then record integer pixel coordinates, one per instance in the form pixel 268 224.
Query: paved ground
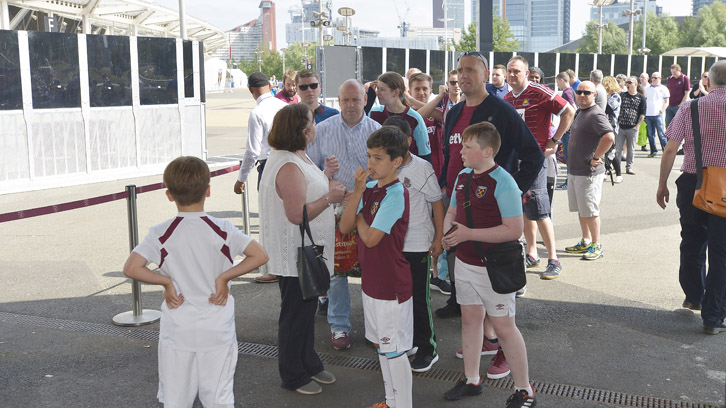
pixel 613 325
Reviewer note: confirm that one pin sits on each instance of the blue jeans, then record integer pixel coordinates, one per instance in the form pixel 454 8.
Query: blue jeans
pixel 655 123
pixel 670 114
pixel 702 232
pixel 566 144
pixel 339 304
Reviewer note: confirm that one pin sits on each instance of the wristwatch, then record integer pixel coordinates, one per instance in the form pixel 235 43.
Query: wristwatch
pixel 556 141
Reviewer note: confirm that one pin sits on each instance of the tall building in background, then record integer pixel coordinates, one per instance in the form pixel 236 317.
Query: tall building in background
pixel 245 39
pixel 699 4
pixel 498 7
pixel 455 11
pixel 269 26
pixel 614 12
pixel 549 24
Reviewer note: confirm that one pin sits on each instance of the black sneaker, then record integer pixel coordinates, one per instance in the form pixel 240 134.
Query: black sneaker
pixel 462 388
pixel 553 270
pixel 520 399
pixel 448 311
pixel 692 306
pixel 421 363
pixel 715 329
pixel 322 308
pixel 440 285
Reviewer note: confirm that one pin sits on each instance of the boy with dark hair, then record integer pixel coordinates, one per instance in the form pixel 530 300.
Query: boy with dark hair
pixel 381 218
pixel 423 239
pixel 496 215
pixel 194 253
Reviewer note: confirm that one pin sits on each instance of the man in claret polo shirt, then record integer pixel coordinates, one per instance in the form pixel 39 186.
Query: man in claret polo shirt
pixel 308 88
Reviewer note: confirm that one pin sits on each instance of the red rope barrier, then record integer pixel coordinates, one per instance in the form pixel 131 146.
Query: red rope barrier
pixel 51 209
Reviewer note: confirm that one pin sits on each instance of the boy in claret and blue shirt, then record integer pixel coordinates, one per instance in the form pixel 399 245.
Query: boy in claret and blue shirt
pixel 423 239
pixel 382 221
pixel 194 253
pixel 495 202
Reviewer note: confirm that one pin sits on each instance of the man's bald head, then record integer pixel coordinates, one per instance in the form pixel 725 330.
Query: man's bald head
pixel 351 84
pixel 352 100
pixel 586 92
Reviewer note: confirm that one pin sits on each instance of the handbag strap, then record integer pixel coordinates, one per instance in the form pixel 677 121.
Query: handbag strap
pixel 305 226
pixel 470 218
pixel 697 152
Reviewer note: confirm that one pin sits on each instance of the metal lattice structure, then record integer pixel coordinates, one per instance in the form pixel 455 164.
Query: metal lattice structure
pixel 116 17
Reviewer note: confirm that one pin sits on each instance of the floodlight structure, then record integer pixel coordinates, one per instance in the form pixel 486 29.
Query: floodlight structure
pixel 600 4
pixel 630 13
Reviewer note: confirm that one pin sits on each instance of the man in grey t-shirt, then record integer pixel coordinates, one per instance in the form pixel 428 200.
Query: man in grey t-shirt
pixel 601 99
pixel 590 138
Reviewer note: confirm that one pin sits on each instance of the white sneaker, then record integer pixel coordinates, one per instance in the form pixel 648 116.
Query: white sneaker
pixel 412 352
pixel 618 179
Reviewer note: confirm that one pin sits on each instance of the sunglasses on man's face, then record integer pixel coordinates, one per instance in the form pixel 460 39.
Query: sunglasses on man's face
pixel 586 93
pixel 305 87
pixel 629 82
pixel 453 82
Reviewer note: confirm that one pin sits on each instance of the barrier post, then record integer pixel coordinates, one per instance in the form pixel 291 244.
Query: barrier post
pixel 137 316
pixel 246 211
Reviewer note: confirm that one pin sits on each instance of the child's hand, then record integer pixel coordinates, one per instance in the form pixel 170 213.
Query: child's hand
pixel 172 299
pixel 361 177
pixel 454 238
pixel 436 248
pixel 222 293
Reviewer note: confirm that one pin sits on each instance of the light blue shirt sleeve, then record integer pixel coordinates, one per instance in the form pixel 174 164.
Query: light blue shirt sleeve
pixel 391 210
pixel 420 134
pixel 452 203
pixel 507 194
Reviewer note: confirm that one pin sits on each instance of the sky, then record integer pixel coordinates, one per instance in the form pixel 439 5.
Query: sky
pixel 371 14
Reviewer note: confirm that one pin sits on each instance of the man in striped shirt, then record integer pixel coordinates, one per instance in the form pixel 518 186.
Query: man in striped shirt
pixel 700 230
pixel 341 141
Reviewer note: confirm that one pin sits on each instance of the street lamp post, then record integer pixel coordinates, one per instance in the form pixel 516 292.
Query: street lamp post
pixel 600 4
pixel 283 50
pixel 322 19
pixel 259 59
pixel 347 12
pixel 631 12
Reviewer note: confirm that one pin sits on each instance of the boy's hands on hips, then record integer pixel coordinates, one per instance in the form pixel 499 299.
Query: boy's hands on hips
pixel 222 293
pixel 172 299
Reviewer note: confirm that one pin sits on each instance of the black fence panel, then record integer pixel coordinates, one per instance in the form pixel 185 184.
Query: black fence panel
pixel 372 63
pixel 11 91
pixel 54 70
pixel 417 59
pixel 109 70
pixel 396 60
pixel 157 71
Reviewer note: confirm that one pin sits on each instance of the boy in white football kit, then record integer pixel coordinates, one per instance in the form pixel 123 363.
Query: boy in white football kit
pixel 194 253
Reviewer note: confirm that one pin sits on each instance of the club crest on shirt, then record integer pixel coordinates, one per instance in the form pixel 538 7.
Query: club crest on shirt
pixel 526 102
pixel 374 208
pixel 481 191
pixel 407 182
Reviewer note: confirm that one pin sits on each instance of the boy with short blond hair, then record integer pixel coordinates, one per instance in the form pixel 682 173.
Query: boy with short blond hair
pixel 194 253
pixel 381 218
pixel 495 202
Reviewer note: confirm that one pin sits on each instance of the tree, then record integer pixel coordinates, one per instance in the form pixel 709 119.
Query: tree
pixel 502 35
pixel 272 60
pixel 706 30
pixel 662 34
pixel 614 39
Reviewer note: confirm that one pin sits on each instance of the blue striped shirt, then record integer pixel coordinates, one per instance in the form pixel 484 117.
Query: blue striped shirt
pixel 334 137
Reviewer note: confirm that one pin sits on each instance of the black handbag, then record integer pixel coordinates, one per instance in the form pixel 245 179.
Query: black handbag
pixel 504 261
pixel 312 271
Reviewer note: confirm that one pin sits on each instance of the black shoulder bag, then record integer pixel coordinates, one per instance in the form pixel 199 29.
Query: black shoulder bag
pixel 313 274
pixel 504 261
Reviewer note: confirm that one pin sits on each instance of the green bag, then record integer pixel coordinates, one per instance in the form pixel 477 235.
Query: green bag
pixel 642 135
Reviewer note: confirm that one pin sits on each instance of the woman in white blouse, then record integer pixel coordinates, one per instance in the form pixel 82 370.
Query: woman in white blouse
pixel 291 181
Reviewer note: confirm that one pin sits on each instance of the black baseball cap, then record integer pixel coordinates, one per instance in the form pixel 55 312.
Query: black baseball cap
pixel 257 80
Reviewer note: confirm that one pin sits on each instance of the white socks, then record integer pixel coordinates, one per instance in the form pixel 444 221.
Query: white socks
pixel 474 380
pixel 398 381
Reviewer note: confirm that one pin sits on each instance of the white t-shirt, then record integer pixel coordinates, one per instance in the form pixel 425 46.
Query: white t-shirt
pixel 655 96
pixel 423 189
pixel 193 249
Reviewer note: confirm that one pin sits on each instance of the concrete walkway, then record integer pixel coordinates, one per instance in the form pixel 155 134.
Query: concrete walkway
pixel 610 326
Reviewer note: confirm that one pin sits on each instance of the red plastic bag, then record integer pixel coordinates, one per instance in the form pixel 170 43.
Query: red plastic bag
pixel 346 252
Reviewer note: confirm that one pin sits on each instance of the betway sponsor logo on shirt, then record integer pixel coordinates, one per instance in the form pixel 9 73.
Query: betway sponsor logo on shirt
pixel 455 138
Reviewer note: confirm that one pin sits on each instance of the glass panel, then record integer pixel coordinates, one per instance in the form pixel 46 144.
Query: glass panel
pixel 188 69
pixel 604 64
pixel 54 70
pixel 586 66
pixel 528 55
pixel 621 64
pixel 372 61
pixel 665 70
pixel 157 71
pixel 567 61
pixel 109 70
pixel 417 59
pixel 683 62
pixel 501 58
pixel 547 62
pixel 202 85
pixel 652 65
pixel 636 65
pixel 11 91
pixel 437 68
pixel 396 60
pixel 709 61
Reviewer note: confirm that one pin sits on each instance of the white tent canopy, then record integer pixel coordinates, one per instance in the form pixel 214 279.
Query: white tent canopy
pixel 719 52
pixel 120 17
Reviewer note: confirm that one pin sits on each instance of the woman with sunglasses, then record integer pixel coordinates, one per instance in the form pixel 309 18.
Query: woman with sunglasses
pixel 390 90
pixel 699 89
